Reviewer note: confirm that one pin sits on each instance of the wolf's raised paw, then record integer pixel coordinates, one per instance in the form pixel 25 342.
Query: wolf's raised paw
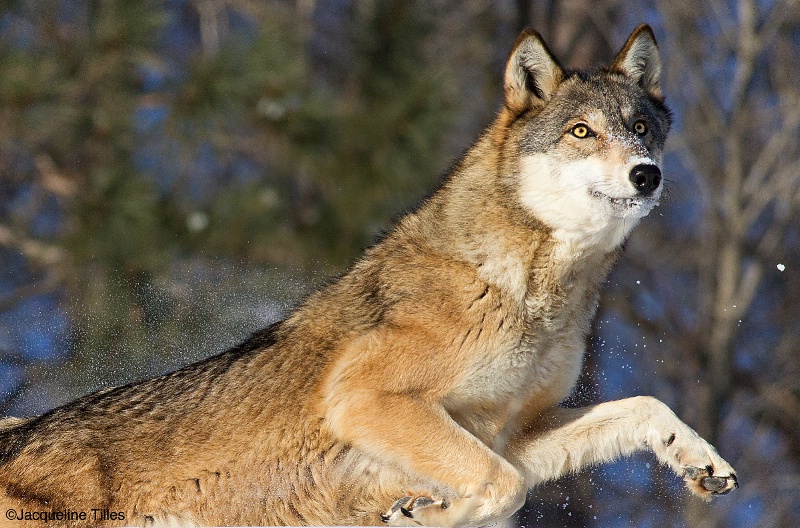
pixel 420 510
pixel 703 481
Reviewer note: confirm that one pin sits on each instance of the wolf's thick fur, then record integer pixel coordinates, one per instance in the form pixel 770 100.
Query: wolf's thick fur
pixel 423 386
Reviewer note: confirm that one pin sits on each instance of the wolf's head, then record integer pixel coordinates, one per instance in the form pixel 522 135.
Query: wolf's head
pixel 587 144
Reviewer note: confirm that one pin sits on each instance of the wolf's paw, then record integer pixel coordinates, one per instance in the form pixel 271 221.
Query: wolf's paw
pixel 705 472
pixel 679 446
pixel 703 481
pixel 418 510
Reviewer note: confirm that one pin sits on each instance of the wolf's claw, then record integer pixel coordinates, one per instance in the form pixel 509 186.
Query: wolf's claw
pixel 412 508
pixel 398 505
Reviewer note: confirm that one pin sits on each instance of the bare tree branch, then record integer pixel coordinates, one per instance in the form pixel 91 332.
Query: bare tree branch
pixel 41 253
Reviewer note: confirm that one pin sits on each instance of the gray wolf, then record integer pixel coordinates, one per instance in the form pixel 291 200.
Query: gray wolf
pixel 423 386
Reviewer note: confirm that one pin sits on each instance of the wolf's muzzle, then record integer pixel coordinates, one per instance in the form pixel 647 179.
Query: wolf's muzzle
pixel 646 178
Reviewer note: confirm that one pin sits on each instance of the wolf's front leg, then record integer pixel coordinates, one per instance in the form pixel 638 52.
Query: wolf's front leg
pixel 567 440
pixel 470 484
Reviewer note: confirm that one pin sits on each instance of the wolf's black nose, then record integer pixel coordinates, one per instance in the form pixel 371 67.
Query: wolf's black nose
pixel 646 178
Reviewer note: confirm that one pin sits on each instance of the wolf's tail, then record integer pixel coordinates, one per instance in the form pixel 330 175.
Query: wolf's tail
pixel 7 424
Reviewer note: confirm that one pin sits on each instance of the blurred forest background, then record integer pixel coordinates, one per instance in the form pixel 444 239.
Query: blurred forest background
pixel 177 174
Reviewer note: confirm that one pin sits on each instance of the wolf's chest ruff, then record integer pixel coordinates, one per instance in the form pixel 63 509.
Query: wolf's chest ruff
pixel 538 349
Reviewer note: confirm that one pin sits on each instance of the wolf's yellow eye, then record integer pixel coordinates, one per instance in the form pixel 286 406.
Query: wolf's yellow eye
pixel 640 127
pixel 581 131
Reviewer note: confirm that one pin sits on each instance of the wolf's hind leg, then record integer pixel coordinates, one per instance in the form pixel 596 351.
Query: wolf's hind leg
pixel 567 440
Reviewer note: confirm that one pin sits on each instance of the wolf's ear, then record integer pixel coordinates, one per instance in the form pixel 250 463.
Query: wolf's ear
pixel 639 60
pixel 532 73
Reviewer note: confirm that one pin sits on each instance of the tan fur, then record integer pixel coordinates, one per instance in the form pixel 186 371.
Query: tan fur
pixel 433 369
pixel 11 423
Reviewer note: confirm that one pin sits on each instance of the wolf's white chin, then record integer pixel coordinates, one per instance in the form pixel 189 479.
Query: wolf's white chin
pixel 634 207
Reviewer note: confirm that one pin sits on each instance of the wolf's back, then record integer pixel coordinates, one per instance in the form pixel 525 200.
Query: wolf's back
pixel 11 422
pixel 9 436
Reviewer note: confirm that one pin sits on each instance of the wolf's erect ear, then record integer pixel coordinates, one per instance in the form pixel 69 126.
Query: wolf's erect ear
pixel 639 60
pixel 532 74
